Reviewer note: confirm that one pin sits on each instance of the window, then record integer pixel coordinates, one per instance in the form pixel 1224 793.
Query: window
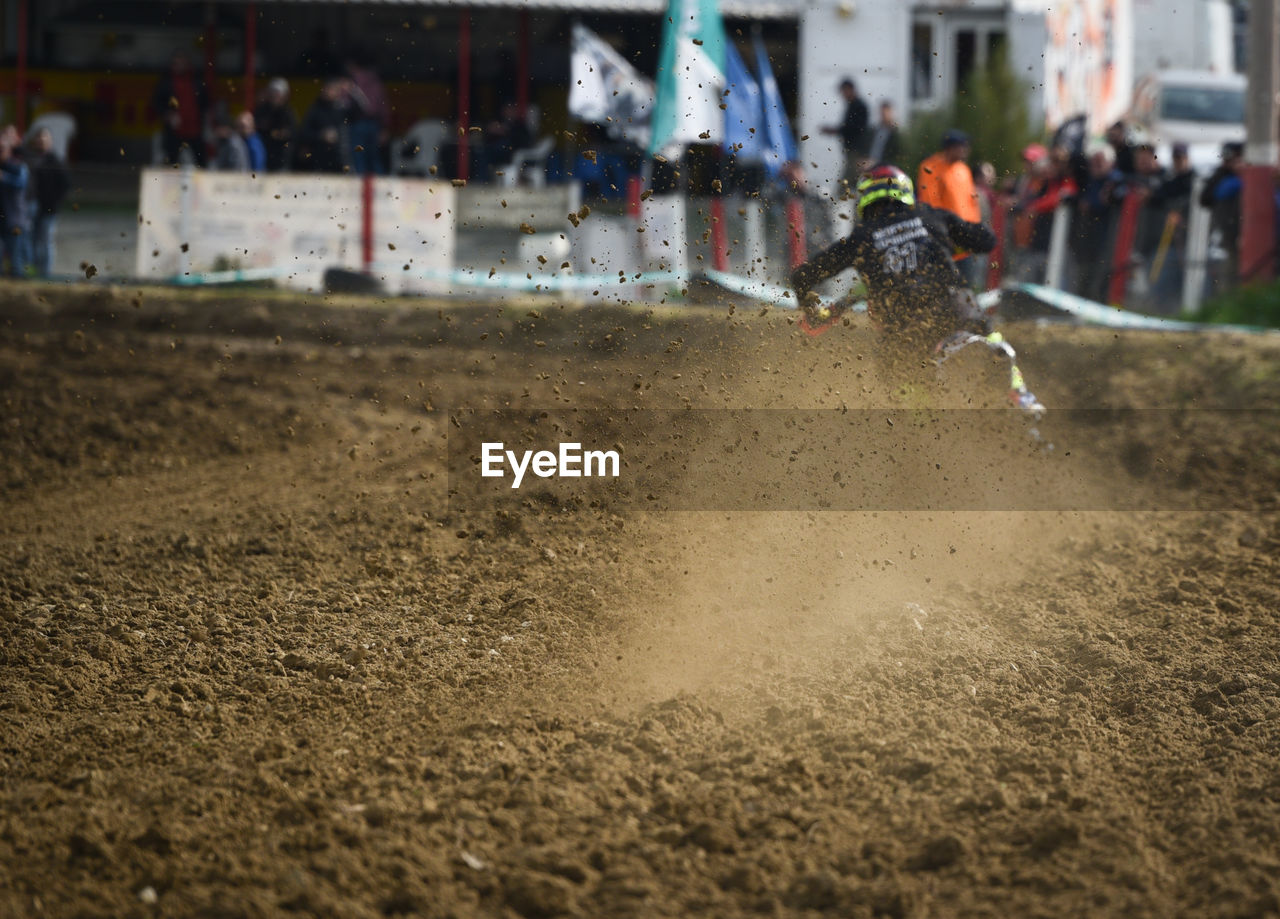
pixel 922 61
pixel 966 56
pixel 1194 103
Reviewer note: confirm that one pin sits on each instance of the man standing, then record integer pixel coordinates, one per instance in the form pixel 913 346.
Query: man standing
pixel 1221 194
pixel 180 101
pixel 370 125
pixel 945 182
pixel 50 183
pixel 1172 198
pixel 246 128
pixel 884 140
pixel 1118 137
pixel 275 120
pixel 322 141
pixel 1091 230
pixel 852 131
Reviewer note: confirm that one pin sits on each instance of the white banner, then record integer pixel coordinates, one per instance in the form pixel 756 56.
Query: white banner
pixel 605 89
pixel 292 226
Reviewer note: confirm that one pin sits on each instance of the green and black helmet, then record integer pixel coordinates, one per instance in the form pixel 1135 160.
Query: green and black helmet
pixel 884 183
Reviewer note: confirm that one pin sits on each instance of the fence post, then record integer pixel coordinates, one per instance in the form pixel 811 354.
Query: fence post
pixel 1057 265
pixel 184 219
pixel 366 223
pixel 1197 264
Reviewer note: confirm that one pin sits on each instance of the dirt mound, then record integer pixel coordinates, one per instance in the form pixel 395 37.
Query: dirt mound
pixel 256 659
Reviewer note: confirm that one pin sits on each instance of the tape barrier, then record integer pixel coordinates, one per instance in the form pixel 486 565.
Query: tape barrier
pixel 1094 313
pixel 510 280
pixel 236 276
pixel 1076 307
pixel 763 290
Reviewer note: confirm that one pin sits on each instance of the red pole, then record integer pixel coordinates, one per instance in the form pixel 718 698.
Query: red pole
pixel 1125 234
pixel 719 238
pixel 1258 224
pixel 634 184
pixel 1262 122
pixel 210 51
pixel 20 91
pixel 522 65
pixel 250 51
pixel 796 232
pixel 366 222
pixel 464 93
pixel 994 266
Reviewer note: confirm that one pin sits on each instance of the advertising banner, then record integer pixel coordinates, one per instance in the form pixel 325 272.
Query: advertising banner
pixel 291 228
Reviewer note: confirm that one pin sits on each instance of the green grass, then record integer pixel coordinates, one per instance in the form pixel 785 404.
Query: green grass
pixel 1252 304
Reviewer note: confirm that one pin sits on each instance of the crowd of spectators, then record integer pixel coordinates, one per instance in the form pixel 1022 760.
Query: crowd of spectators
pixel 1089 184
pixel 347 129
pixel 1094 181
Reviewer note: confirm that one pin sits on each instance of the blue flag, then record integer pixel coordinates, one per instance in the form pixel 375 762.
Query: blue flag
pixel 780 142
pixel 744 135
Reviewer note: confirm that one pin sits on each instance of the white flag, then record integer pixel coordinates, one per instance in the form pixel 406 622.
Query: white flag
pixel 606 90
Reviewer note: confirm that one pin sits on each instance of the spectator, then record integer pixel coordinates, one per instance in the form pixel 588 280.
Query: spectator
pixel 1172 199
pixel 180 102
pixel 1147 178
pixel 253 143
pixel 276 125
pixel 232 154
pixel 1056 188
pixel 852 131
pixel 15 222
pixel 1221 194
pixel 1122 149
pixel 1091 237
pixel 371 117
pixel 945 182
pixel 322 141
pixel 50 182
pixel 1025 263
pixel 511 132
pixel 984 182
pixel 885 141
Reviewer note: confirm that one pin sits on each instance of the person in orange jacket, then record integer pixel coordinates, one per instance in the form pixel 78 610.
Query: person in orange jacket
pixel 945 182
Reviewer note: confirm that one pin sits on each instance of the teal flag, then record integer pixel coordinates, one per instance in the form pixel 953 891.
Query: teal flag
pixel 690 79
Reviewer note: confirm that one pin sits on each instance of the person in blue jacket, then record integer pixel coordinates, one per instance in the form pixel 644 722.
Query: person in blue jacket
pixel 15 212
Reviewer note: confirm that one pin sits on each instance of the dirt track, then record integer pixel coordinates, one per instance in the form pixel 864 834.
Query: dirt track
pixel 251 664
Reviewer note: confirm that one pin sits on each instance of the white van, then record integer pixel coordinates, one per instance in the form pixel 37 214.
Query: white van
pixel 1200 108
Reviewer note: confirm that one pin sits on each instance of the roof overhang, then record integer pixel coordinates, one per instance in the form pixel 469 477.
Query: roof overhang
pixel 739 9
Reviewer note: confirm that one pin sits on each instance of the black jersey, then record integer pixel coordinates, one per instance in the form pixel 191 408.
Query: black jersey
pixel 904 255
